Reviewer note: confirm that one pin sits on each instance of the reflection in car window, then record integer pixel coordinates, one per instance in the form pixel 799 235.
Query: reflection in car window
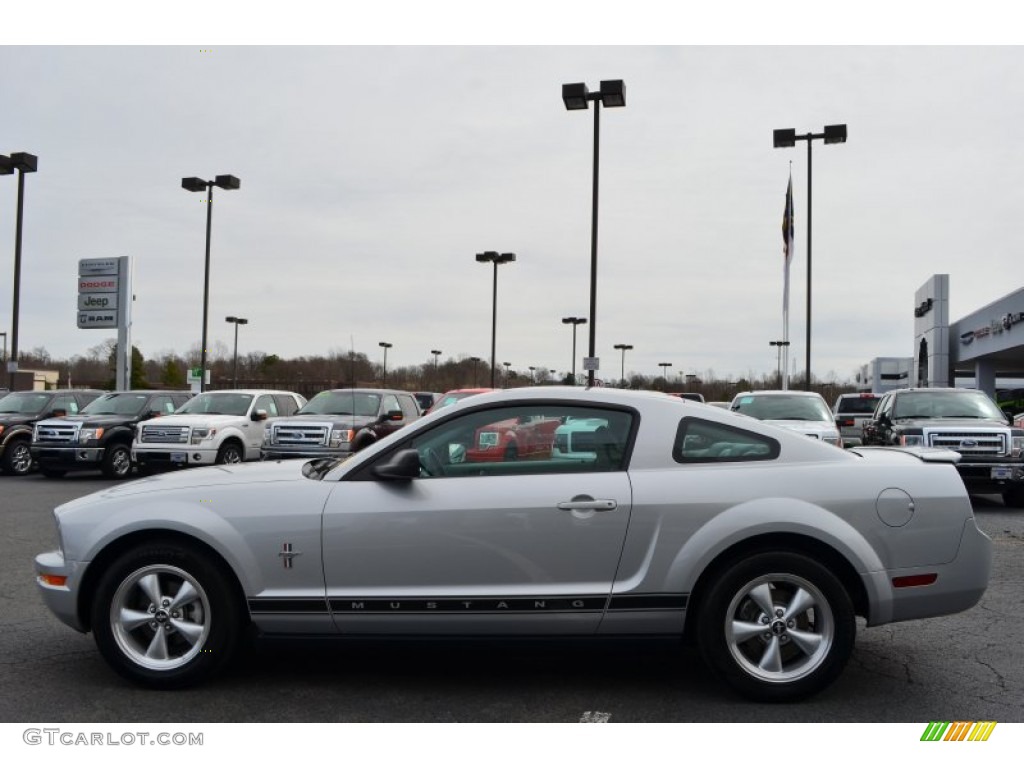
pixel 700 441
pixel 534 438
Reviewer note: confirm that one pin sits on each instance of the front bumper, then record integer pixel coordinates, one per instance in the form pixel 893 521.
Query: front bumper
pixel 67 457
pixel 989 476
pixel 61 600
pixel 174 456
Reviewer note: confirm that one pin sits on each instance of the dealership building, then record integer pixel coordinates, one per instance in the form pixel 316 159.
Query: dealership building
pixel 987 345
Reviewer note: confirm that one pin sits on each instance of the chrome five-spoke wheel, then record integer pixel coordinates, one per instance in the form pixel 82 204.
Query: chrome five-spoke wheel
pixel 777 626
pixel 160 617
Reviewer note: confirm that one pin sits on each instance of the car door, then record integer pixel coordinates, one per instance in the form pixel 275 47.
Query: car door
pixel 508 547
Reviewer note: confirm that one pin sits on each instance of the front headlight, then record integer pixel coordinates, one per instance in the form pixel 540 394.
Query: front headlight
pixel 912 441
pixel 1017 446
pixel 202 433
pixel 340 437
pixel 90 434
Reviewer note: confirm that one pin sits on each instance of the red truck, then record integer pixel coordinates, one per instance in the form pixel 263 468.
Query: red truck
pixel 514 439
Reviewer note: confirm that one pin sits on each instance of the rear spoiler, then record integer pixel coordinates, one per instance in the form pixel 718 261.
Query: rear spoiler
pixel 937 455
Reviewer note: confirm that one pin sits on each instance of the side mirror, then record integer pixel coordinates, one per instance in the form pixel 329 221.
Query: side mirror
pixel 402 466
pixel 393 416
pixel 259 415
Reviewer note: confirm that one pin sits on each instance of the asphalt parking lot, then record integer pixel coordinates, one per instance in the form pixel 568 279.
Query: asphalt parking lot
pixel 964 667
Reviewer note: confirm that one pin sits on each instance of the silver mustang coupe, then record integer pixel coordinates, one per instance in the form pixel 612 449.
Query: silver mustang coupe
pixel 669 518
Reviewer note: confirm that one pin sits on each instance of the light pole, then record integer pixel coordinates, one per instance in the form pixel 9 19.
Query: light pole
pixel 507 366
pixel 195 184
pixel 786 137
pixel 386 346
pixel 664 370
pixel 496 258
pixel 780 344
pixel 623 347
pixel 476 360
pixel 533 377
pixel 574 321
pixel 435 353
pixel 234 368
pixel 23 163
pixel 4 334
pixel 577 96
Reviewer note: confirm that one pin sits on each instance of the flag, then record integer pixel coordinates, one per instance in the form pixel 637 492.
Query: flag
pixel 787 256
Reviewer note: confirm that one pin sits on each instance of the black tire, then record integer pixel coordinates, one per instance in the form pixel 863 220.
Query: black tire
pixel 1014 496
pixel 805 642
pixel 117 461
pixel 200 635
pixel 511 452
pixel 47 472
pixel 230 453
pixel 17 458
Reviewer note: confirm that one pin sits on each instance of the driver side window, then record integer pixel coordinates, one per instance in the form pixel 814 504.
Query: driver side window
pixel 528 439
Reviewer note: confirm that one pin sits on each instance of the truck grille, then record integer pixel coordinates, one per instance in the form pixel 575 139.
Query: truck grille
pixel 54 434
pixel 970 443
pixel 161 434
pixel 299 434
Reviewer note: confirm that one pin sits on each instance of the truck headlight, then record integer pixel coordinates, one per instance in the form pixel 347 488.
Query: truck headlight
pixel 90 434
pixel 340 437
pixel 1016 446
pixel 202 433
pixel 912 441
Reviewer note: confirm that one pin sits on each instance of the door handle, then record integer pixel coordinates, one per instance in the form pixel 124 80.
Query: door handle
pixel 586 502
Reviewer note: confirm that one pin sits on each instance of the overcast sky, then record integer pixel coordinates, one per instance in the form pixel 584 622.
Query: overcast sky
pixel 371 176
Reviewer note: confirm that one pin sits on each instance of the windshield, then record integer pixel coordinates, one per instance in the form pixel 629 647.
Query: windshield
pixel 343 403
pixel 857 404
pixel 222 403
pixel 783 407
pixel 946 405
pixel 24 402
pixel 122 404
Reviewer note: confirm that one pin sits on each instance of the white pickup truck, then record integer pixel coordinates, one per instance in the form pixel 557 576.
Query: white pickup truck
pixel 220 427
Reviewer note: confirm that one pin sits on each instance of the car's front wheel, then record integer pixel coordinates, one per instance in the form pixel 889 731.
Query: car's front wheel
pixel 17 459
pixel 117 461
pixel 777 626
pixel 230 453
pixel 164 616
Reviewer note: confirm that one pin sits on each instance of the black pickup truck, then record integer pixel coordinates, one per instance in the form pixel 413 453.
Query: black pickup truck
pixel 337 423
pixel 963 420
pixel 100 436
pixel 19 412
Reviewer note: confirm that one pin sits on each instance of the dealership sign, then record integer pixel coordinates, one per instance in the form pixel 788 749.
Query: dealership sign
pixel 1004 323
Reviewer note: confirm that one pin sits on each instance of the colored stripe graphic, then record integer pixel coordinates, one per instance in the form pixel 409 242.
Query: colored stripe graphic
pixel 958 731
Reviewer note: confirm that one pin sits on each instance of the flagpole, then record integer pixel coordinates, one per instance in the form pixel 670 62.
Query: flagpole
pixel 789 245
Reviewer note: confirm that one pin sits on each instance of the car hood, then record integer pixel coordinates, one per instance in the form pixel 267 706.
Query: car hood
pixel 802 426
pixel 14 419
pixel 198 420
pixel 98 420
pixel 353 422
pixel 203 477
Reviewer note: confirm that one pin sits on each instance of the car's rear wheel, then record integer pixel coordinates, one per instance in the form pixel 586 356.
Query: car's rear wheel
pixel 777 626
pixel 117 461
pixel 164 616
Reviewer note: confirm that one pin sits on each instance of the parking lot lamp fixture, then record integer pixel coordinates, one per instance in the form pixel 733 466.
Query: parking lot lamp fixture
pixel 533 376
pixel 495 258
pixel 574 321
pixel 234 368
pixel 787 137
pixel 622 373
pixel 195 184
pixel 780 344
pixel 386 346
pixel 664 370
pixel 507 366
pixel 435 353
pixel 576 96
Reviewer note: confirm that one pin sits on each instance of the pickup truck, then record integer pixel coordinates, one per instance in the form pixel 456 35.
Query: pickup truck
pixel 100 435
pixel 220 427
pixel 964 420
pixel 19 412
pixel 339 422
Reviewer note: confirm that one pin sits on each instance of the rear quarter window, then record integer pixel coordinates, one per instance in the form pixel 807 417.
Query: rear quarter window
pixel 699 441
